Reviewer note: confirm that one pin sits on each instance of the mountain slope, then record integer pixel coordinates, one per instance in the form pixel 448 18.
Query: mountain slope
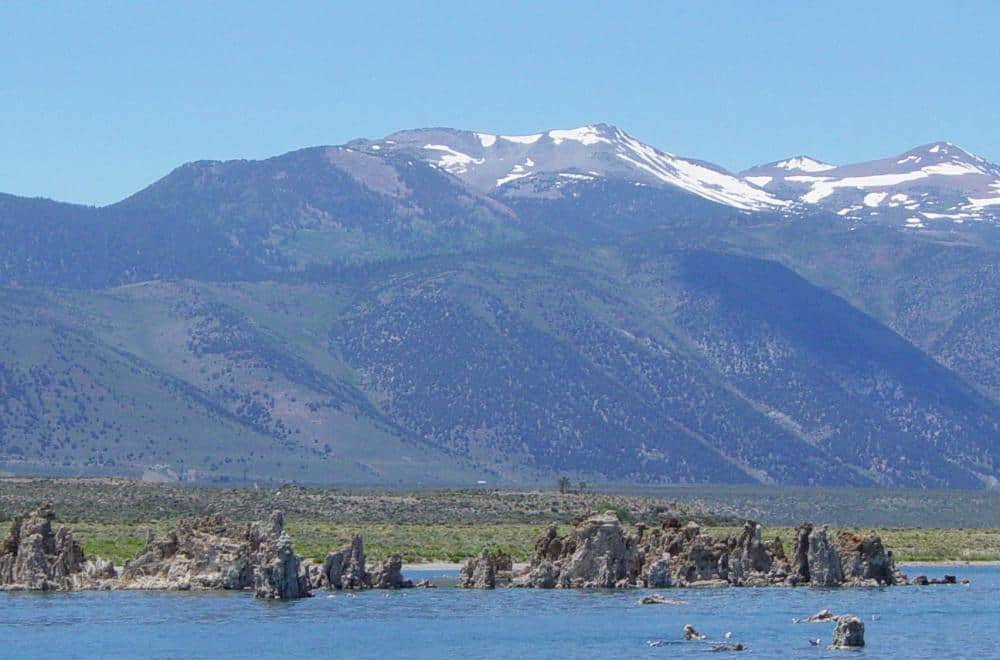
pixel 643 363
pixel 252 220
pixel 442 306
pixel 935 288
pixel 173 382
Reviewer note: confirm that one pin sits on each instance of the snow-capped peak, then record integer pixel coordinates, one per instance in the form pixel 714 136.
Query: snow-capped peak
pixel 936 181
pixel 803 164
pixel 557 158
pixel 943 152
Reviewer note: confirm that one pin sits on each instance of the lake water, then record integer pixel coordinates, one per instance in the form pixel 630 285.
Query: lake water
pixel 961 621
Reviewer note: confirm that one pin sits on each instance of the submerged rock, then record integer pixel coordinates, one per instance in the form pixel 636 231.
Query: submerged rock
pixel 849 633
pixel 690 633
pixel 726 646
pixel 657 599
pixel 922 580
pixel 823 616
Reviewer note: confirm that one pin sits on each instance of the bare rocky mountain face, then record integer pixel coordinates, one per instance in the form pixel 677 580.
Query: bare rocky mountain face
pixel 444 306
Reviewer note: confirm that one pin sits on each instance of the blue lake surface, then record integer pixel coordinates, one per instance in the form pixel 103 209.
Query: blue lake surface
pixel 960 621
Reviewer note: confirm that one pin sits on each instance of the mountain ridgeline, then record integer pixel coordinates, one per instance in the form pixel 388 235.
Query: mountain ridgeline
pixel 443 307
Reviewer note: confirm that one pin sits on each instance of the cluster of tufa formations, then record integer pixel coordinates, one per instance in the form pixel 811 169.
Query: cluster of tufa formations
pixel 600 554
pixel 213 553
pixel 37 558
pixel 208 553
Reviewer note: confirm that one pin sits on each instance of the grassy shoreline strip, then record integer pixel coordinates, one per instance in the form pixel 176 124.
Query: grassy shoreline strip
pixel 454 542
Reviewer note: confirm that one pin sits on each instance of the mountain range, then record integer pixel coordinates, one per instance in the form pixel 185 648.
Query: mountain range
pixel 445 306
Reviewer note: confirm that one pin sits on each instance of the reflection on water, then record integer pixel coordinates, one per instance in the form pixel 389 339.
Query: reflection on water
pixel 904 622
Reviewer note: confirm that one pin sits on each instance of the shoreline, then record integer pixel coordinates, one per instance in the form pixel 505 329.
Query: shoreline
pixel 951 562
pixel 455 566
pixel 447 566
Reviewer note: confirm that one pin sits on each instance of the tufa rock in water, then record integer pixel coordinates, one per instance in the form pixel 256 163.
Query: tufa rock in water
pixel 478 572
pixel 596 554
pixel 36 558
pixel 800 557
pixel 849 633
pixel 389 574
pixel 866 562
pixel 278 572
pixel 657 575
pixel 544 575
pixel 600 553
pixel 213 553
pixel 344 568
pixel 824 560
pixel 200 553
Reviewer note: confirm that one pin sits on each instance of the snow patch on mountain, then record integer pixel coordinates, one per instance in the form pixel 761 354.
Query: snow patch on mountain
pixel 586 135
pixel 518 172
pixel 825 188
pixel 522 139
pixel 486 139
pixel 987 201
pixel 975 203
pixel 874 199
pixel 453 161
pixel 699 179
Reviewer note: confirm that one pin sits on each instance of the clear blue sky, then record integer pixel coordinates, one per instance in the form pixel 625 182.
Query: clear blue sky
pixel 99 99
